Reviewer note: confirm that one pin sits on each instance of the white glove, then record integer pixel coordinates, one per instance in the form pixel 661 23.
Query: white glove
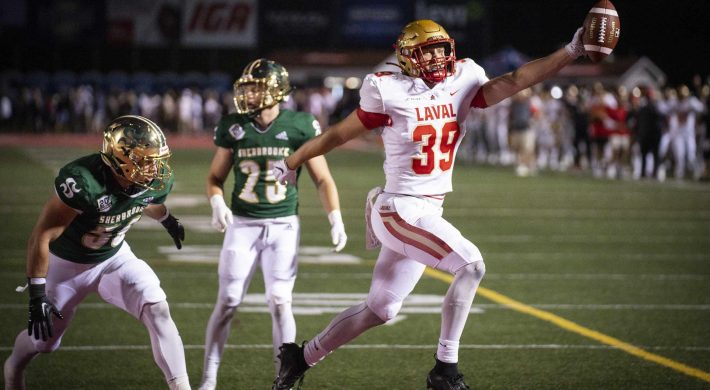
pixel 337 230
pixel 575 48
pixel 221 214
pixel 282 173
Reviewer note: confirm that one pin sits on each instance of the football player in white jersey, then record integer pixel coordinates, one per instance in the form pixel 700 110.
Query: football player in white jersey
pixel 419 114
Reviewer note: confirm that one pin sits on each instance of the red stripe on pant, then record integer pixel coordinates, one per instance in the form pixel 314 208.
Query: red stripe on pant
pixel 391 219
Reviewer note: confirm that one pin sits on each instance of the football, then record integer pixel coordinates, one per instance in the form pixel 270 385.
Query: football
pixel 602 29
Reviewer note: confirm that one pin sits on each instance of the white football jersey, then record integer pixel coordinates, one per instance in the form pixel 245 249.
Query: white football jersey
pixel 426 128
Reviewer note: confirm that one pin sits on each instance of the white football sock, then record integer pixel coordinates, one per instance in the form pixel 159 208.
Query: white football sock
pixel 22 354
pixel 448 351
pixel 168 351
pixel 455 309
pixel 216 335
pixel 179 383
pixel 344 327
pixel 283 328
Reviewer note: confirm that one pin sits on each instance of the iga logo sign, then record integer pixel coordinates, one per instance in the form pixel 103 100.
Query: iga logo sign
pixel 220 23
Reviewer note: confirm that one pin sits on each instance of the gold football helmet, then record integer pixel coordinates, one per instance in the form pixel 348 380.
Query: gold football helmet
pixel 420 34
pixel 135 149
pixel 263 84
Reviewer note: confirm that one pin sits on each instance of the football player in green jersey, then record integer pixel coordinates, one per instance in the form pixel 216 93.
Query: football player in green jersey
pixel 262 225
pixel 77 247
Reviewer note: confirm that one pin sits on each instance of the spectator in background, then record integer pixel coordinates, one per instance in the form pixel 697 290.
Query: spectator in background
pixel 577 109
pixel 704 142
pixel 212 109
pixel 522 136
pixel 196 111
pixel 185 112
pixel 550 131
pixel 149 105
pixel 169 110
pixel 646 124
pixel 688 109
pixel 666 105
pixel 5 110
pixel 600 128
pixel 321 104
pixel 619 139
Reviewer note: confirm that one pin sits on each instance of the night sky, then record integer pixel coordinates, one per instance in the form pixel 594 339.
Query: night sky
pixel 673 34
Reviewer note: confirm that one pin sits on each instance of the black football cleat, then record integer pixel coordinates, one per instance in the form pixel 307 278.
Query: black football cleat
pixel 293 366
pixel 444 382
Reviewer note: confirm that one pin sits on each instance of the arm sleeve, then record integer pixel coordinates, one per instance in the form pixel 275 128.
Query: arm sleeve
pixel 479 101
pixel 372 120
pixel 478 79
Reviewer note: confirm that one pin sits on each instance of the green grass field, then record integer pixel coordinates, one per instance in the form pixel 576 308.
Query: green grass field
pixel 591 284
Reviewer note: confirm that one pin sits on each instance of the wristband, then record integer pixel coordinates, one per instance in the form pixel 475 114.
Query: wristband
pixel 217 200
pixel 164 217
pixel 36 290
pixel 335 217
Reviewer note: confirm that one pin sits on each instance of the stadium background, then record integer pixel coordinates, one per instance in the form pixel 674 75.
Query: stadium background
pixel 223 35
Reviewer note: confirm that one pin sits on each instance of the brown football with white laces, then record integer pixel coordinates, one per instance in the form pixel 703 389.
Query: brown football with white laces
pixel 602 29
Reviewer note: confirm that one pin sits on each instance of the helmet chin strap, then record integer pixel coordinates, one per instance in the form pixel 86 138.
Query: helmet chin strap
pixel 257 112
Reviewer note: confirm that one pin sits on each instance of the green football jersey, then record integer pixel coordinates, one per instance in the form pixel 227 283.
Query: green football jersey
pixel 256 193
pixel 106 213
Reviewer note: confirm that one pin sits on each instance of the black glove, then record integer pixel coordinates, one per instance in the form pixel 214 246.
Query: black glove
pixel 41 310
pixel 175 229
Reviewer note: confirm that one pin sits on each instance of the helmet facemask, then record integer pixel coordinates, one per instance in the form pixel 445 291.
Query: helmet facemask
pixel 262 85
pixel 418 38
pixel 437 68
pixel 136 150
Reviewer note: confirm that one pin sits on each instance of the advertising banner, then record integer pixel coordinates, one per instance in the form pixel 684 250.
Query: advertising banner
pixel 220 23
pixel 296 22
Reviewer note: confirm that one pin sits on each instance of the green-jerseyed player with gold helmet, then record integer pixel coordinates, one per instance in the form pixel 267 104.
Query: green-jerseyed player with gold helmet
pixel 77 247
pixel 262 224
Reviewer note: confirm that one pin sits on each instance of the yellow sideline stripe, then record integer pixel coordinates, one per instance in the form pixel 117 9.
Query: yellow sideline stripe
pixel 575 328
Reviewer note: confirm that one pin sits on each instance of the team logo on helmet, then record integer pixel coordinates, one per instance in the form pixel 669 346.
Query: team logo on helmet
pixel 135 149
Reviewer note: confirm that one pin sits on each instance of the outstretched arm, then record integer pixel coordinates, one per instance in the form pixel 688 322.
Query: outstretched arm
pixel 533 72
pixel 336 135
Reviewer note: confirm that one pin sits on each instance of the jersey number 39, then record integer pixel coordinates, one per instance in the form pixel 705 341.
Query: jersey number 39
pixel 437 147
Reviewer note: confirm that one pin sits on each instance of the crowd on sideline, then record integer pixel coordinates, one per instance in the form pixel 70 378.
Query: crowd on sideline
pixel 615 133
